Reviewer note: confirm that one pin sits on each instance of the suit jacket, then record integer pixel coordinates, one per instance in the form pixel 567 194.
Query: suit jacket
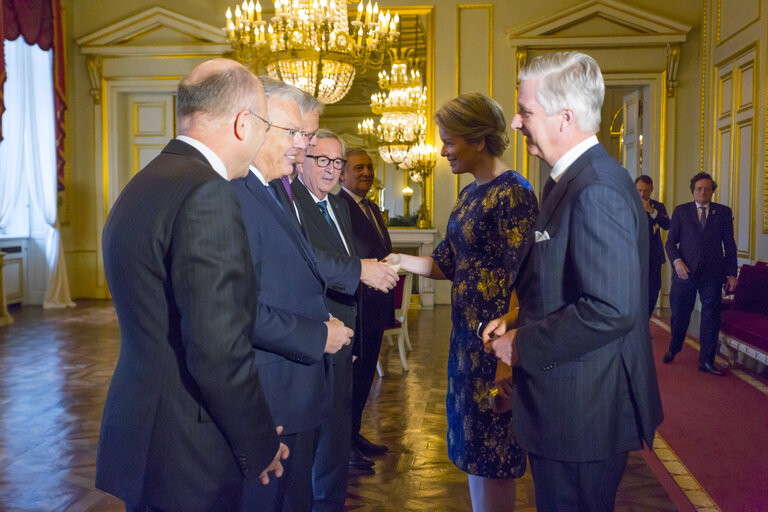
pixel 656 248
pixel 185 418
pixel 586 387
pixel 709 252
pixel 324 240
pixel 377 308
pixel 289 333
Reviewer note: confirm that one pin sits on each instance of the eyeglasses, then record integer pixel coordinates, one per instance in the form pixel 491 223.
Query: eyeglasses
pixel 292 132
pixel 324 161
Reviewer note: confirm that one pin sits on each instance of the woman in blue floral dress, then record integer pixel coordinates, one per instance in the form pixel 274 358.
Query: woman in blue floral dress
pixel 480 254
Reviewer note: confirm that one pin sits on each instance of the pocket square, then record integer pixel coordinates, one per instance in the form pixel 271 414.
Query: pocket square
pixel 540 237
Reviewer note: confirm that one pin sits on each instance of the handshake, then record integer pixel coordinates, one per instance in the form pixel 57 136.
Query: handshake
pixel 381 275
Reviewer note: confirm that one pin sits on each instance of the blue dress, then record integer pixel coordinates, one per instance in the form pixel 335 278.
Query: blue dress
pixel 480 254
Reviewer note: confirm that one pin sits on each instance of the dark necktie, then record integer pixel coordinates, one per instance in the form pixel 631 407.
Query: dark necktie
pixel 324 209
pixel 274 196
pixel 703 216
pixel 365 204
pixel 287 185
pixel 548 186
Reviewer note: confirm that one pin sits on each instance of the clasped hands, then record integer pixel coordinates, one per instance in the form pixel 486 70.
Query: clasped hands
pixel 499 339
pixel 378 274
pixel 275 466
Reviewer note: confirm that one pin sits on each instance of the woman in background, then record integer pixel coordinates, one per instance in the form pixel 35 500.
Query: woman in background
pixel 480 254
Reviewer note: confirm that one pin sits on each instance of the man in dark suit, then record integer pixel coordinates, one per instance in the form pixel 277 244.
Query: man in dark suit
pixel 702 249
pixel 293 330
pixel 325 219
pixel 185 420
pixel 657 220
pixel 377 309
pixel 585 384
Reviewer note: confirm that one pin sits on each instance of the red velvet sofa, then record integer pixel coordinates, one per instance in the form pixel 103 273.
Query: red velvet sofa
pixel 744 321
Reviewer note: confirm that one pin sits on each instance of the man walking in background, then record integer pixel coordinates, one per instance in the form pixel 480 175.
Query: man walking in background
pixel 657 220
pixel 702 250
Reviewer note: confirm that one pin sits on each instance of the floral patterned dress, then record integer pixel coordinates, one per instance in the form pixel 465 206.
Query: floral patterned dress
pixel 486 232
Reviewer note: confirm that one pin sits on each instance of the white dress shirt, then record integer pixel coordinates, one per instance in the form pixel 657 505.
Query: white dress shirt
pixel 208 153
pixel 570 156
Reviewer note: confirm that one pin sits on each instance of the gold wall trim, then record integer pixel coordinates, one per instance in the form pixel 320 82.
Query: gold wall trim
pixel 765 161
pixel 733 129
pixel 467 7
pixel 744 26
pixel 702 117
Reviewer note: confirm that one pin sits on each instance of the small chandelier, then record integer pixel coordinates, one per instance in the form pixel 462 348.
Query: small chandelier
pixel 402 107
pixel 311 44
pixel 421 161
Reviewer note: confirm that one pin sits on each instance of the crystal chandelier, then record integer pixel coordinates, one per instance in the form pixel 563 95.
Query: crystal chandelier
pixel 421 161
pixel 402 107
pixel 311 44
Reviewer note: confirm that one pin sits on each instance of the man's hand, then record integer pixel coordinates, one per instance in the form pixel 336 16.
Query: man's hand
pixel 493 330
pixel 338 335
pixel 504 348
pixel 378 275
pixel 275 466
pixel 681 269
pixel 648 206
pixel 730 284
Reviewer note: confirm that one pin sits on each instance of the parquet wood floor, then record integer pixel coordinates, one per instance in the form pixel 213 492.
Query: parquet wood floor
pixel 55 367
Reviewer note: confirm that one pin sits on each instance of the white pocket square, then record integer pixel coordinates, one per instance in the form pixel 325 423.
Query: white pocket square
pixel 540 237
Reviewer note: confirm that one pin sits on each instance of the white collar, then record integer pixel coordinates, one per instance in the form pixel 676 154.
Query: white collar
pixel 256 172
pixel 356 197
pixel 208 153
pixel 570 156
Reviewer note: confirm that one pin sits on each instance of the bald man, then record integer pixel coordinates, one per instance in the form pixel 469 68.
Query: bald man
pixel 185 422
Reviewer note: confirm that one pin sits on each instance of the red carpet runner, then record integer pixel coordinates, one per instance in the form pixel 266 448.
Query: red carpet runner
pixel 717 426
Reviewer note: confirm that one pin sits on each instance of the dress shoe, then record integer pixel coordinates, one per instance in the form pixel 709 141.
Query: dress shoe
pixel 709 368
pixel 367 447
pixel 359 461
pixel 668 357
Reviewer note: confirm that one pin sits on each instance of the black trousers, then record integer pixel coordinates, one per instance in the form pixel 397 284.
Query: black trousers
pixel 331 467
pixel 654 287
pixel 363 372
pixel 293 491
pixel 682 299
pixel 577 486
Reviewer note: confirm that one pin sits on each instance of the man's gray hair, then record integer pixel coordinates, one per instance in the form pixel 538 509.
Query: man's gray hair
pixel 568 80
pixel 323 133
pixel 276 89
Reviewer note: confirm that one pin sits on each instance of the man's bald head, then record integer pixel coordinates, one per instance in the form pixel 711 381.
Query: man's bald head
pixel 215 91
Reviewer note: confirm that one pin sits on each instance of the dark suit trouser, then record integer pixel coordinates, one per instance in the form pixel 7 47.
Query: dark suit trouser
pixel 654 287
pixel 576 486
pixel 363 371
pixel 331 466
pixel 682 299
pixel 293 491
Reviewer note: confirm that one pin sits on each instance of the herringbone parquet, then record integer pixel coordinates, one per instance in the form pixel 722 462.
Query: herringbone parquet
pixel 55 367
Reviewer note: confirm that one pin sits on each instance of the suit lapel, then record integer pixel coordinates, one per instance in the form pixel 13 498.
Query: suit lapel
pixel 313 217
pixel 342 215
pixel 258 189
pixel 555 196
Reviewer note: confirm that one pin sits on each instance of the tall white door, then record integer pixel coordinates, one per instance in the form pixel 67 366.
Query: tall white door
pixel 630 153
pixel 147 124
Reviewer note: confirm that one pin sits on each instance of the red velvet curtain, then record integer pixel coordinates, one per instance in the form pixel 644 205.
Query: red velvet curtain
pixel 39 22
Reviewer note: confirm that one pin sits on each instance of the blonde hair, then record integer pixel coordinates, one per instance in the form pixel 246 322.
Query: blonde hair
pixel 475 117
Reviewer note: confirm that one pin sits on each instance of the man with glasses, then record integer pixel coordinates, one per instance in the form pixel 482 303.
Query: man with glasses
pixel 293 329
pixel 325 219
